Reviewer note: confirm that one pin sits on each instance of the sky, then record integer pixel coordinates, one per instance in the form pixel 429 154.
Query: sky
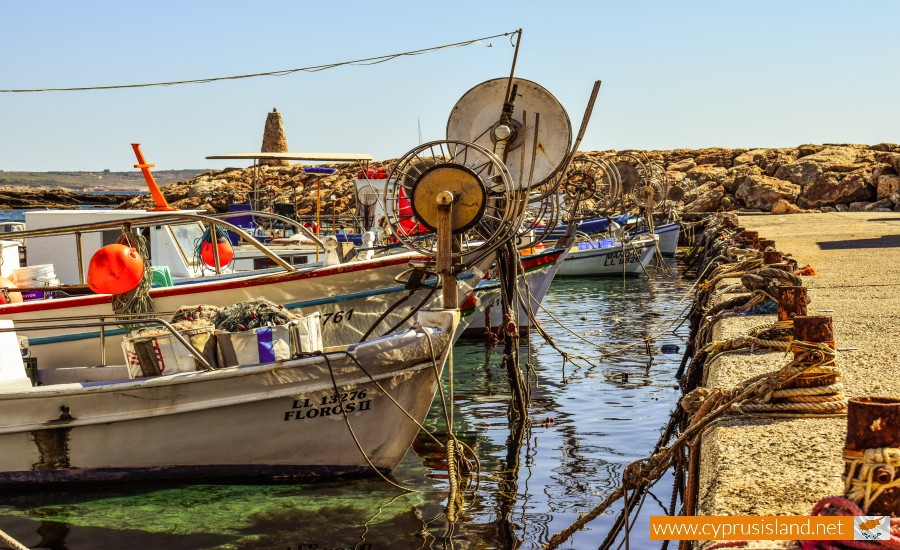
pixel 690 74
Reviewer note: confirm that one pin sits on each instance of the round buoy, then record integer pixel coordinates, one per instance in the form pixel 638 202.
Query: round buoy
pixel 14 297
pixel 226 252
pixel 115 269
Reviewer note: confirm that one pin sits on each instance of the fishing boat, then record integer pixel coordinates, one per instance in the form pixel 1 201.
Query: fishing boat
pixel 537 272
pixel 347 411
pixel 608 257
pixel 668 236
pixel 358 299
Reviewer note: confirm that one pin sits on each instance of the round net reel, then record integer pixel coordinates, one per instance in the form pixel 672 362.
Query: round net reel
pixel 541 217
pixel 483 211
pixel 538 135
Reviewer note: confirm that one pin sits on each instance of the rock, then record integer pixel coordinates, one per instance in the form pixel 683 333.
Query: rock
pixel 859 206
pixel 735 176
pixel 782 206
pixel 895 162
pixel 768 160
pixel 708 199
pixel 763 192
pixel 705 173
pixel 205 188
pixel 806 170
pixel 826 189
pixel 841 207
pixel 716 156
pixel 877 206
pixel 887 186
pixel 828 209
pixel 682 165
pixel 806 150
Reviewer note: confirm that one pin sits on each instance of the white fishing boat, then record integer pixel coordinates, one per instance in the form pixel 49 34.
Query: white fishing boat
pixel 342 412
pixel 356 300
pixel 668 237
pixel 537 273
pixel 608 257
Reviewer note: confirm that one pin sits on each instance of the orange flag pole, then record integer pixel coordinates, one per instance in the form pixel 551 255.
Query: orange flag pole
pixel 161 204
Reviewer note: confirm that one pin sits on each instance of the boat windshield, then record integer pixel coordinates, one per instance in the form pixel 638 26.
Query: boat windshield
pixel 187 236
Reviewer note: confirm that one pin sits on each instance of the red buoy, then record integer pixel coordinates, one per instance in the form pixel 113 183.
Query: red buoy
pixel 226 252
pixel 115 269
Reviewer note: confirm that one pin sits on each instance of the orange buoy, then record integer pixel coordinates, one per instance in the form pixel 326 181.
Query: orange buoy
pixel 115 269
pixel 226 252
pixel 14 297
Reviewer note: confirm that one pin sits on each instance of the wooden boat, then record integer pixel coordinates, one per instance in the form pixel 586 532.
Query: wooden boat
pixel 340 413
pixel 608 257
pixel 363 298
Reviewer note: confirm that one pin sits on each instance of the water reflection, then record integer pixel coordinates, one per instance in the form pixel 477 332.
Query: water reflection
pixel 535 480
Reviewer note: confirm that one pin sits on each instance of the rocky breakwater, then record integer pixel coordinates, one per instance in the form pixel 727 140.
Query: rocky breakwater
pixel 24 197
pixel 214 191
pixel 824 178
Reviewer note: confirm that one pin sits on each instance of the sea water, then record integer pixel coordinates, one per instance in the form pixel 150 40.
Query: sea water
pixel 587 421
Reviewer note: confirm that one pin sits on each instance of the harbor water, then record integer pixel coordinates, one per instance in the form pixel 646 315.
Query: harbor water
pixel 587 421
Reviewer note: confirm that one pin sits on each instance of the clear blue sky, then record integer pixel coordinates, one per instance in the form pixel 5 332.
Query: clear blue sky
pixel 675 74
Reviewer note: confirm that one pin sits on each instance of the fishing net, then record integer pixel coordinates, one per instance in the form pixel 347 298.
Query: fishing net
pixel 252 314
pixel 136 300
pixel 196 313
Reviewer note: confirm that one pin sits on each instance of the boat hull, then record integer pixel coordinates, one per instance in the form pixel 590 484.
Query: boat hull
pixel 275 422
pixel 350 298
pixel 630 259
pixel 668 237
pixel 539 271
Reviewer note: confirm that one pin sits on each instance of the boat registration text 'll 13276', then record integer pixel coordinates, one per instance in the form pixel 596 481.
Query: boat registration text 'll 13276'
pixel 328 405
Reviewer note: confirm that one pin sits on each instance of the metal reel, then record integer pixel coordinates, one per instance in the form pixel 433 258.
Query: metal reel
pixel 484 211
pixel 541 217
pixel 539 133
pixel 580 180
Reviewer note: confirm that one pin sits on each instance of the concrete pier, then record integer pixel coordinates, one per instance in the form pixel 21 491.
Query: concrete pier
pixel 783 466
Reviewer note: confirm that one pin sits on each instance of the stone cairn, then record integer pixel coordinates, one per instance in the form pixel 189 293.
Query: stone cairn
pixel 274 140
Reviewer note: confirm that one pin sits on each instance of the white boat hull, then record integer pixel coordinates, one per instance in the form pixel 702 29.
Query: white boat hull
pixel 668 234
pixel 632 258
pixel 277 421
pixel 539 272
pixel 350 298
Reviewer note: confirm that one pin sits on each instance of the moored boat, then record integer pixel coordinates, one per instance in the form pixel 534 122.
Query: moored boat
pixel 608 257
pixel 342 412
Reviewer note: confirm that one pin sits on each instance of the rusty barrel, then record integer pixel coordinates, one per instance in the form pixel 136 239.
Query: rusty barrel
pixel 872 424
pixel 792 302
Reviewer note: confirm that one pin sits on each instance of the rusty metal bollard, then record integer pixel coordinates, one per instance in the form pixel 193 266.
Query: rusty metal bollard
pixel 765 244
pixel 792 302
pixel 772 257
pixel 815 330
pixel 872 455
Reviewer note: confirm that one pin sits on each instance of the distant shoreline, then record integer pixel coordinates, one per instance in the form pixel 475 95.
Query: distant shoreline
pixel 103 181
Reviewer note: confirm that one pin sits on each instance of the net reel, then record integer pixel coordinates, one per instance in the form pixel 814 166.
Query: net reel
pixel 529 130
pixel 468 178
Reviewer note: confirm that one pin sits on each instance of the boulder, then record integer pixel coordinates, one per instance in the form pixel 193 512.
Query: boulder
pixel 205 188
pixel 763 191
pixel 841 207
pixel 717 156
pixel 806 170
pixel 827 189
pixel 705 173
pixel 734 177
pixel 879 206
pixel 769 160
pixel 858 206
pixel 681 166
pixel 887 186
pixel 708 199
pixel 782 206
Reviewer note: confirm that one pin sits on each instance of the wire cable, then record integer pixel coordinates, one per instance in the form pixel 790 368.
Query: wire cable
pixel 283 72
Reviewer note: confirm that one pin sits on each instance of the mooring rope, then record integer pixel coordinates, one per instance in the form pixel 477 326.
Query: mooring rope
pixel 136 300
pixel 870 473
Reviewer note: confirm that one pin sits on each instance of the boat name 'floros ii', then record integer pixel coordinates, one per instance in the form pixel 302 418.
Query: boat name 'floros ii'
pixel 352 401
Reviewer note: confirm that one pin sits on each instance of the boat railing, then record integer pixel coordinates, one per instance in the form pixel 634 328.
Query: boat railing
pixel 151 220
pixel 274 217
pixel 84 321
